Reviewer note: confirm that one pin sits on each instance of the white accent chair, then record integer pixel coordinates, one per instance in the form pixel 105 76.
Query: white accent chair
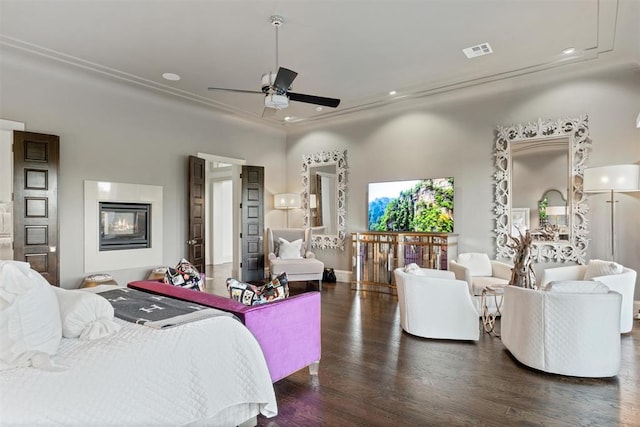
pixel 623 283
pixel 304 267
pixel 575 334
pixel 433 304
pixel 479 271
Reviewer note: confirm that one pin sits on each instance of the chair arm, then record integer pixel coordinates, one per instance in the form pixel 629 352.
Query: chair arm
pixel 462 273
pixel 570 272
pixel 309 254
pixel 501 270
pixel 272 256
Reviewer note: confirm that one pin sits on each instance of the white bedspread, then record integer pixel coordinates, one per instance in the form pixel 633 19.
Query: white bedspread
pixel 143 376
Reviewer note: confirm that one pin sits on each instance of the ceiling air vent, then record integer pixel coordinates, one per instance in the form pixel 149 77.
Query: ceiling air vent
pixel 477 50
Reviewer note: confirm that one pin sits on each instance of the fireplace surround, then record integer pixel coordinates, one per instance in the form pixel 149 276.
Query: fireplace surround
pixel 129 244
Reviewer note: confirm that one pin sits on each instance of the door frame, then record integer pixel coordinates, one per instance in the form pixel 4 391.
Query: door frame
pixel 6 143
pixel 236 183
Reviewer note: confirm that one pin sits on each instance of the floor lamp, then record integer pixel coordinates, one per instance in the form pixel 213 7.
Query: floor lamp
pixel 612 179
pixel 286 201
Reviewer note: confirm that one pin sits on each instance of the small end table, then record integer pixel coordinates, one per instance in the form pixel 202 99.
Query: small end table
pixel 489 318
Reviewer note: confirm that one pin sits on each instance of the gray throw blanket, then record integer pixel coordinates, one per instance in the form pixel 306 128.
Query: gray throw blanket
pixel 156 311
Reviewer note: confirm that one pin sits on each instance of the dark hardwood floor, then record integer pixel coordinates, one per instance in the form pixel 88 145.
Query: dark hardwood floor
pixel 374 374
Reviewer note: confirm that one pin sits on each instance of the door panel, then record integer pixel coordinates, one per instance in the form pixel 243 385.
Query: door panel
pixel 252 223
pixel 35 184
pixel 196 232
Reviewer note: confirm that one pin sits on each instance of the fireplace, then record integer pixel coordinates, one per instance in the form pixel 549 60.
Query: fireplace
pixel 124 226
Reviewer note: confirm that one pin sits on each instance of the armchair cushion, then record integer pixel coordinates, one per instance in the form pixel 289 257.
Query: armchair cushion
pixel 597 267
pixel 478 263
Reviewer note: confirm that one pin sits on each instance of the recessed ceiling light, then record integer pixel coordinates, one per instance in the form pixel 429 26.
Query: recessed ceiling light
pixel 288 118
pixel 318 108
pixel 568 50
pixel 392 92
pixel 171 76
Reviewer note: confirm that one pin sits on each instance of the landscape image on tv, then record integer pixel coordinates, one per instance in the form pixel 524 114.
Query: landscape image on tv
pixel 424 205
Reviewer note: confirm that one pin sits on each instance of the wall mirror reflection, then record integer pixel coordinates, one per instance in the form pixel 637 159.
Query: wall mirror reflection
pixel 539 178
pixel 538 188
pixel 324 197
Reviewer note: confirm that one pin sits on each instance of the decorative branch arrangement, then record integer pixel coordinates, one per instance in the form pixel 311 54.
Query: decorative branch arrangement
pixel 522 273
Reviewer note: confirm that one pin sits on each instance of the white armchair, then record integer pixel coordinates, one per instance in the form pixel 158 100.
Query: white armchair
pixel 435 305
pixel 479 271
pixel 576 334
pixel 301 264
pixel 624 283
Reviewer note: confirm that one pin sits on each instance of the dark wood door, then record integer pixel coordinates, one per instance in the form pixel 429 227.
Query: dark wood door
pixel 35 187
pixel 252 223
pixel 196 233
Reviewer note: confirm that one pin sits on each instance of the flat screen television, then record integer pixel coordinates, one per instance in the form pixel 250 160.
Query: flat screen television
pixel 422 205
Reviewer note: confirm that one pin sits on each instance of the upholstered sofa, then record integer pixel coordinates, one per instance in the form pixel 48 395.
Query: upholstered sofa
pixel 287 330
pixel 569 333
pixel 433 304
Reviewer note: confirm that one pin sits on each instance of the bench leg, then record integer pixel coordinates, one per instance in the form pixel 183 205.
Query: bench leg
pixel 314 368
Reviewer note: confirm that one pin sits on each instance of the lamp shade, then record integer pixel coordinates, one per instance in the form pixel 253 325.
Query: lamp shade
pixel 618 178
pixel 286 201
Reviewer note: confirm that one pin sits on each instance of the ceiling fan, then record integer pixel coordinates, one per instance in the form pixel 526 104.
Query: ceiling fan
pixel 275 86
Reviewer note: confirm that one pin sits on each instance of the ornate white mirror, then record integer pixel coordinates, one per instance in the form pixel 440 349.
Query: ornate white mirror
pixel 538 186
pixel 324 178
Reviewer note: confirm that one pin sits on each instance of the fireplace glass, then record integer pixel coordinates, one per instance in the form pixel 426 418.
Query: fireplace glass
pixel 124 226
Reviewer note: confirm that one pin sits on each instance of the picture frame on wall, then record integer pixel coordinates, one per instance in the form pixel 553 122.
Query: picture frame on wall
pixel 520 220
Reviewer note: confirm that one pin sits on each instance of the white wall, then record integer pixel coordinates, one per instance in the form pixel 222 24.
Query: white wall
pixel 452 134
pixel 122 133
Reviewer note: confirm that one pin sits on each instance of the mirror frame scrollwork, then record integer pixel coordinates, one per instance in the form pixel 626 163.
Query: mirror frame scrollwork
pixel 327 158
pixel 577 132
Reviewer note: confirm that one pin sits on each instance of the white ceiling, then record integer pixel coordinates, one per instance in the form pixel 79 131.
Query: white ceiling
pixel 354 50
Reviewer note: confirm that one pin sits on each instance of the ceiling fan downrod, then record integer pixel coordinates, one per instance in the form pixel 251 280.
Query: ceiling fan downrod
pixel 277 21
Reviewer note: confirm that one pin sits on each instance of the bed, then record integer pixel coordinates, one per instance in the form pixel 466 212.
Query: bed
pixel 208 372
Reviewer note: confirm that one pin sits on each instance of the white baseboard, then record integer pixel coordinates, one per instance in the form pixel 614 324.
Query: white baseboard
pixel 343 276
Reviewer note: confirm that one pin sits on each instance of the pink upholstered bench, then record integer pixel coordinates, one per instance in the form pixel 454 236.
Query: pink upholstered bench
pixel 288 330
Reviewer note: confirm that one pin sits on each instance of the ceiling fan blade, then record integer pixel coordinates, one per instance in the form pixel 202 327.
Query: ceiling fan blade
pixel 236 90
pixel 268 112
pixel 284 78
pixel 311 99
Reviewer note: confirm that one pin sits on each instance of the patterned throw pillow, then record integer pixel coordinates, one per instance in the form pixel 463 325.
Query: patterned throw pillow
pixel 249 294
pixel 184 275
pixel 276 289
pixel 244 293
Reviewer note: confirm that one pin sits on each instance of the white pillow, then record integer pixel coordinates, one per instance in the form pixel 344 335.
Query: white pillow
pixel 85 315
pixel 29 317
pixel 290 250
pixel 412 268
pixel 478 263
pixel 577 287
pixel 598 267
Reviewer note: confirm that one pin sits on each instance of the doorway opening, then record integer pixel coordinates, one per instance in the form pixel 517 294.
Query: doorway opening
pixel 222 220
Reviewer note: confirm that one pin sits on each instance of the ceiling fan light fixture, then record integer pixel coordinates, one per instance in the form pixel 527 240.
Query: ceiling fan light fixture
pixel 267 81
pixel 278 102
